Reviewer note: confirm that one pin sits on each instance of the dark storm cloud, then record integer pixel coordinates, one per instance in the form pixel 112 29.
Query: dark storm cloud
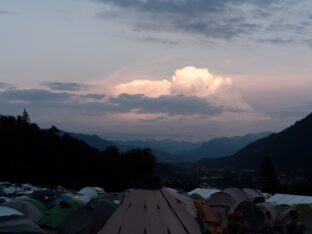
pixel 6 86
pixel 65 86
pixel 33 96
pixel 212 18
pixel 172 105
pixel 93 96
pixel 124 103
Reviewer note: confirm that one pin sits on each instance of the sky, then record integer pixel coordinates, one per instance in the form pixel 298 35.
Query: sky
pixel 157 69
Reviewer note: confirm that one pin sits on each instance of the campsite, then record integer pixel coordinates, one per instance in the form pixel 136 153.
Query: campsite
pixel 155 117
pixel 25 208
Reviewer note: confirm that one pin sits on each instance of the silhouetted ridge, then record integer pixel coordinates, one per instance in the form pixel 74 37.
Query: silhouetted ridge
pixel 290 149
pixel 47 157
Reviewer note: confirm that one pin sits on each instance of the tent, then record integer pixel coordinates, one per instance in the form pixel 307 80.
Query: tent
pixel 63 197
pixel 204 192
pixel 99 190
pixel 288 199
pixel 221 203
pixel 208 219
pixel 305 217
pixel 282 219
pixel 28 209
pixel 82 198
pixel 252 216
pixel 184 201
pixel 196 196
pixel 151 212
pixel 89 191
pixel 90 218
pixel 254 195
pixel 46 197
pixel 269 211
pixel 281 208
pixel 60 213
pixel 12 221
pixel 38 204
pixel 206 212
pixel 8 211
pixel 236 193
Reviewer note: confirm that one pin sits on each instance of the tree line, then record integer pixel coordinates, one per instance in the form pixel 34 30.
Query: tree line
pixel 48 157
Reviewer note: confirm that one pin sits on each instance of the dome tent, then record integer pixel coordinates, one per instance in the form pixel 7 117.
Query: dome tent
pixel 28 209
pixel 305 217
pixel 12 221
pixel 221 203
pixel 237 194
pixel 89 191
pixel 204 192
pixel 254 195
pixel 252 216
pixel 60 213
pixel 269 211
pixel 91 217
pixel 151 212
pixel 43 209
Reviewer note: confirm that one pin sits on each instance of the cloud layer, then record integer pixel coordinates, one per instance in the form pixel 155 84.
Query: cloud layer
pixel 190 91
pixel 215 19
pixel 65 86
pixel 193 98
pixel 189 81
pixel 6 86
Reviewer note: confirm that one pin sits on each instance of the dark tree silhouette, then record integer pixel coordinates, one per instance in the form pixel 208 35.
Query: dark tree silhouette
pixel 268 176
pixel 25 116
pixel 48 157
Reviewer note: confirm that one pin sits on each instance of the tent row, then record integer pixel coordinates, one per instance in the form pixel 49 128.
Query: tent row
pixel 142 211
pixel 83 212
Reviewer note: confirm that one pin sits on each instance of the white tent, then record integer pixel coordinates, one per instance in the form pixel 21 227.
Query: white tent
pixel 89 191
pixel 204 192
pixel 151 212
pixel 288 199
pixel 99 190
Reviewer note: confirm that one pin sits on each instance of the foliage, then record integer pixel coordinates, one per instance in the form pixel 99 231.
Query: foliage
pixel 49 158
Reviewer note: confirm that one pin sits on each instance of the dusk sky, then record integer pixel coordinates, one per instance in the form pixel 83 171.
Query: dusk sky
pixel 180 69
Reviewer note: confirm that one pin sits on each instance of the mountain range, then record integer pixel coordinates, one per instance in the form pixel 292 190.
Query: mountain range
pixel 290 148
pixel 172 151
pixel 224 146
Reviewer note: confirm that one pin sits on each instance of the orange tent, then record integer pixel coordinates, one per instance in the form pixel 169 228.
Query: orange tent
pixel 206 213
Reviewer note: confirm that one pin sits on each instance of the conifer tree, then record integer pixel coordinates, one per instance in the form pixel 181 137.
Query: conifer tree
pixel 25 117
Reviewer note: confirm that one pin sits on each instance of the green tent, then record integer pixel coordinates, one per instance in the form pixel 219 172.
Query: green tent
pixel 281 208
pixel 60 213
pixel 38 204
pixel 305 216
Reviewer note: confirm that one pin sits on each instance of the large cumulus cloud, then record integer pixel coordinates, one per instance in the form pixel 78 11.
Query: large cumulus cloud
pixel 190 91
pixel 192 103
pixel 216 90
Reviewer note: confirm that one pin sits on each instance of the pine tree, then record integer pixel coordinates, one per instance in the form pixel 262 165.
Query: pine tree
pixel 25 117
